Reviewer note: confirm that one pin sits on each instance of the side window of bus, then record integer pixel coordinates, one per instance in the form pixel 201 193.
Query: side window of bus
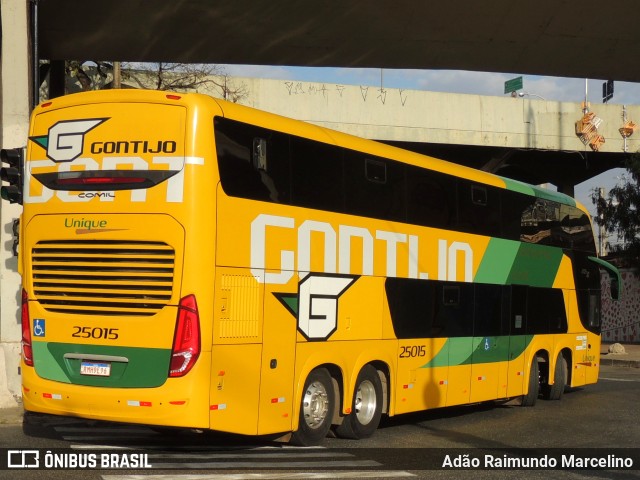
pixel 545 222
pixel 478 209
pixel 253 162
pixel 546 311
pixel 587 279
pixel 454 310
pixel 541 223
pixel 488 315
pixel 411 305
pixel 275 172
pixel 513 205
pixel 579 230
pixel 317 175
pixel 374 187
pixel 431 199
pixel 518 310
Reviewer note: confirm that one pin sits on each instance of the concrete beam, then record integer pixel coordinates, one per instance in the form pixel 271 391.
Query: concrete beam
pixel 389 114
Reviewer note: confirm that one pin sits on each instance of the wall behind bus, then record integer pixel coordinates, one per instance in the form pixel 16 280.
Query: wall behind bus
pixel 14 102
pixel 621 319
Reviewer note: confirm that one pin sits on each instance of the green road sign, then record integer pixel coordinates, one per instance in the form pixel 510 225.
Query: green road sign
pixel 513 85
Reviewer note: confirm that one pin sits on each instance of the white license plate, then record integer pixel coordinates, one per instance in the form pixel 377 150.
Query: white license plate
pixel 96 369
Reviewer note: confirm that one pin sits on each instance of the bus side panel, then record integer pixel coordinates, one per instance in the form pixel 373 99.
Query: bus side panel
pixel 233 405
pixel 460 351
pixel 592 358
pixel 577 340
pixel 516 367
pixel 489 370
pixel 278 358
pixel 236 351
pixel 422 381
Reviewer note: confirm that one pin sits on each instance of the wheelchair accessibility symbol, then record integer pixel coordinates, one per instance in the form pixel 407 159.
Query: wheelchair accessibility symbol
pixel 38 327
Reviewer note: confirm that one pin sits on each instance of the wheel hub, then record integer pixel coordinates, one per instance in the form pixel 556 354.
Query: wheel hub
pixel 365 402
pixel 315 405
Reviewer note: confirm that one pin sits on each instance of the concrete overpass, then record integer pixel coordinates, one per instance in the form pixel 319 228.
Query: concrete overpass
pixel 547 37
pixel 582 39
pixel 523 138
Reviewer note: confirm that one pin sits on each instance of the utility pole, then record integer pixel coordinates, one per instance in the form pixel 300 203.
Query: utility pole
pixel 602 238
pixel 117 75
pixel 585 107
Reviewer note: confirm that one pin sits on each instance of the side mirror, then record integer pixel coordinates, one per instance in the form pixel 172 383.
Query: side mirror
pixel 615 279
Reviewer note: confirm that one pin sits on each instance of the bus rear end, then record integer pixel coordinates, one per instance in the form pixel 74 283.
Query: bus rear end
pixel 111 320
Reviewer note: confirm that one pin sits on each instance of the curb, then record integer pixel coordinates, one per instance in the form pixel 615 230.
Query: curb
pixel 620 362
pixel 11 415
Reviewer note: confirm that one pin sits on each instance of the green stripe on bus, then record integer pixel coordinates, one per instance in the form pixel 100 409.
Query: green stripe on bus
pixel 520 187
pixel 492 350
pixel 506 262
pixel 538 192
pixel 497 261
pixel 535 265
pixel 145 368
pixel 554 196
pixel 469 350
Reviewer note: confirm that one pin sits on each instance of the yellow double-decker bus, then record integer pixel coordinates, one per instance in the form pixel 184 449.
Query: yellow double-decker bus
pixel 194 263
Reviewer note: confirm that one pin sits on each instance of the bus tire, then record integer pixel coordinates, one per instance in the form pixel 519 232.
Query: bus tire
pixel 366 407
pixel 316 409
pixel 555 391
pixel 529 399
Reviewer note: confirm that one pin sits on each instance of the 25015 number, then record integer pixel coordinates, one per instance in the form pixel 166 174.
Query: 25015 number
pixel 413 351
pixel 95 332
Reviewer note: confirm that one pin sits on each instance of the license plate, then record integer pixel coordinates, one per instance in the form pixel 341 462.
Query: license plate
pixel 96 369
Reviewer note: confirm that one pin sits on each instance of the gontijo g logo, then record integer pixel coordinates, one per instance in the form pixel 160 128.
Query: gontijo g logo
pixel 316 304
pixel 65 140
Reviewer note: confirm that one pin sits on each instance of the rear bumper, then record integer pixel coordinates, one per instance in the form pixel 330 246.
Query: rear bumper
pixel 180 402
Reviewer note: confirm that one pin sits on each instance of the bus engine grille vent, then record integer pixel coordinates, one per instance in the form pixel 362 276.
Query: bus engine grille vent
pixel 107 277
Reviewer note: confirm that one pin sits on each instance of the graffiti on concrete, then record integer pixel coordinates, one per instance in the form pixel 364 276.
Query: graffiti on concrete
pixel 620 320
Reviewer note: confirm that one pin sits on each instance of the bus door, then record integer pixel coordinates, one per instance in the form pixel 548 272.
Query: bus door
pixel 517 340
pixel 278 358
pixel 236 351
pixel 423 357
pixel 455 313
pixel 491 344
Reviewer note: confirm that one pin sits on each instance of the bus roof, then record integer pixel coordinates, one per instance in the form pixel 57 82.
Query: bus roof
pixel 278 122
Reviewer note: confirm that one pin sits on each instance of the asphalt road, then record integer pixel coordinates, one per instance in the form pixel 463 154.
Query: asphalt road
pixel 596 422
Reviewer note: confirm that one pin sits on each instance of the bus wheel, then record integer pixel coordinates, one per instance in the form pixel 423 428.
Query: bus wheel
pixel 366 408
pixel 529 400
pixel 316 409
pixel 555 391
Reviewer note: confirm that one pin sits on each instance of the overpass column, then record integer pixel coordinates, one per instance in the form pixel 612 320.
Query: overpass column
pixel 567 189
pixel 14 102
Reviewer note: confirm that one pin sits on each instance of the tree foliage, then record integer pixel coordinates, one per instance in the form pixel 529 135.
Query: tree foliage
pixel 184 77
pixel 81 76
pixel 618 211
pixel 88 75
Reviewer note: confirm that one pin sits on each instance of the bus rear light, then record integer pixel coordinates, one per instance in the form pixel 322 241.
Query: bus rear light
pixel 27 349
pixel 81 182
pixel 107 180
pixel 186 340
